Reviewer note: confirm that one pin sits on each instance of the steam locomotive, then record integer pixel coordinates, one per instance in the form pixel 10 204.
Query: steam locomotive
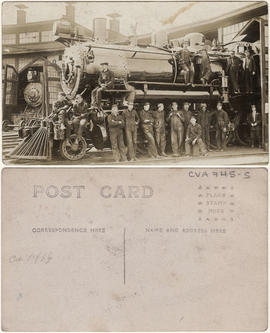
pixel 153 71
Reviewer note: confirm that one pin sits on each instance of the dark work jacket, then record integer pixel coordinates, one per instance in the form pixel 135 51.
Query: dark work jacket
pixel 204 118
pixel 233 64
pixel 107 78
pixel 187 115
pixel 147 115
pixel 58 105
pixel 222 119
pixel 113 122
pixel 159 120
pixel 194 132
pixel 183 57
pixel 258 120
pixel 251 66
pixel 130 118
pixel 80 109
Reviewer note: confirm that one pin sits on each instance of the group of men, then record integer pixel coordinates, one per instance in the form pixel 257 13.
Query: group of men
pixel 238 69
pixel 71 115
pixel 241 70
pixel 185 65
pixel 185 132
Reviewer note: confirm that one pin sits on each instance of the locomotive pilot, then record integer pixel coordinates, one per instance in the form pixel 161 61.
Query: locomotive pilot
pixel 132 120
pixel 193 137
pixel 147 122
pixel 60 110
pixel 105 82
pixel 80 114
pixel 176 119
pixel 116 124
pixel 159 129
pixel 222 122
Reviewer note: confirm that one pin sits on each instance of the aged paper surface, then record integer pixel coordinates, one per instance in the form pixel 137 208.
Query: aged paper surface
pixel 134 249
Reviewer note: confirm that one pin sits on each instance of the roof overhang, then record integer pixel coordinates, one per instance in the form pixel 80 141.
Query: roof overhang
pixel 250 31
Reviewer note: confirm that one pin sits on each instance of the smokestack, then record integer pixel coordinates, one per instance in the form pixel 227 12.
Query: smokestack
pixel 70 12
pixel 159 38
pixel 99 29
pixel 21 14
pixel 114 22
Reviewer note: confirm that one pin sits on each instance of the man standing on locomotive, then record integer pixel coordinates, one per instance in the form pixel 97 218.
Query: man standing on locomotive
pixel 159 129
pixel 80 114
pixel 222 122
pixel 185 63
pixel 147 122
pixel 249 71
pixel 177 120
pixel 116 124
pixel 105 82
pixel 131 120
pixel 233 68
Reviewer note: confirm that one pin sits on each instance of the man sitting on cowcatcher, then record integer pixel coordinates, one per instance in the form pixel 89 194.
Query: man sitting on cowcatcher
pixel 61 108
pixel 80 115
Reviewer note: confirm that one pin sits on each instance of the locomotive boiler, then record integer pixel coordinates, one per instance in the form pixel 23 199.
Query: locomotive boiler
pixel 146 67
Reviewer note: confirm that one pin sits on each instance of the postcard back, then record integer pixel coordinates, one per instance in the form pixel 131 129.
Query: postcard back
pixel 134 249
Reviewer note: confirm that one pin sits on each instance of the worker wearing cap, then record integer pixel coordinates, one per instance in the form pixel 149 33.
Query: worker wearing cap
pixel 131 120
pixel 80 114
pixel 116 124
pixel 187 115
pixel 249 67
pixel 205 67
pixel 176 119
pixel 185 64
pixel 204 119
pixel 159 129
pixel 147 122
pixel 105 82
pixel 254 120
pixel 222 122
pixel 234 65
pixel 194 137
pixel 60 111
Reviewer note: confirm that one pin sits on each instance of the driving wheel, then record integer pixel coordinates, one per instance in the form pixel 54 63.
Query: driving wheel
pixel 73 148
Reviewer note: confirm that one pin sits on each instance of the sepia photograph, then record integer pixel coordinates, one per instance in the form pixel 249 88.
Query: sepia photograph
pixel 135 83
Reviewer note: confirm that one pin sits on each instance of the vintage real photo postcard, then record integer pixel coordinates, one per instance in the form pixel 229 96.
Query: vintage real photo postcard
pixel 135 83
pixel 127 250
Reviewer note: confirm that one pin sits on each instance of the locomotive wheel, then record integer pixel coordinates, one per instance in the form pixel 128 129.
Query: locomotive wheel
pixel 5 125
pixel 75 150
